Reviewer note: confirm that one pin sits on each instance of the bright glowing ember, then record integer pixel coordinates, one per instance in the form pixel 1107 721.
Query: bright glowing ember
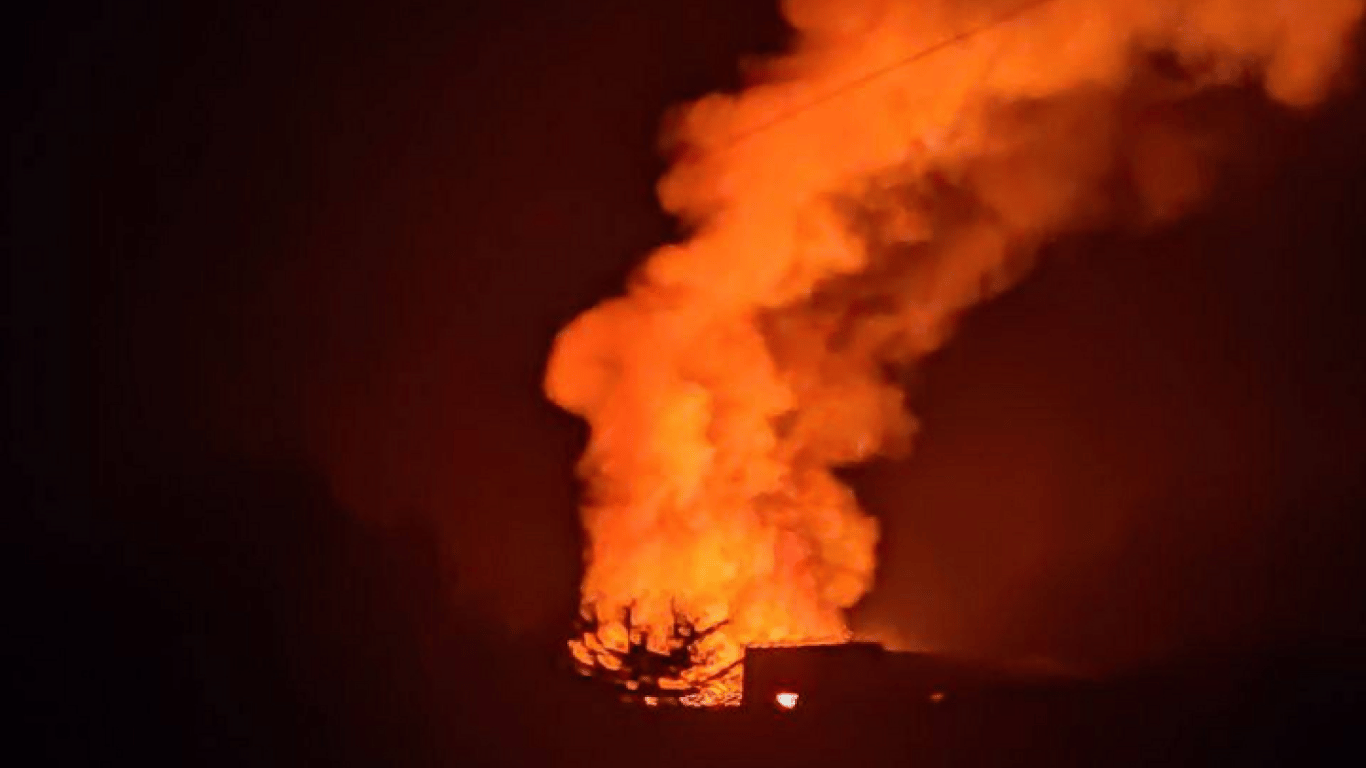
pixel 834 248
pixel 786 700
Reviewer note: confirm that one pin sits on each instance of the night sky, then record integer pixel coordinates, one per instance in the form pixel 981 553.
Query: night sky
pixel 282 283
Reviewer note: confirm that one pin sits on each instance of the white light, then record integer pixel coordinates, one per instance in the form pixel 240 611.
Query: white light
pixel 786 700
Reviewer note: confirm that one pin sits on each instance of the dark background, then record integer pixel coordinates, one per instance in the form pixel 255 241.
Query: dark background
pixel 281 283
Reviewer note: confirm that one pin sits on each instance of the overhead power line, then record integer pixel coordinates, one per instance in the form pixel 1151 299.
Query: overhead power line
pixel 887 69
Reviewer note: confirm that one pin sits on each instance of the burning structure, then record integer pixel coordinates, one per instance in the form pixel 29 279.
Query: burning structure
pixel 854 675
pixel 902 163
pixel 846 676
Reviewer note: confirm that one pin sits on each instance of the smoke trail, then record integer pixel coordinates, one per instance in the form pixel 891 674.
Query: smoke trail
pixel 836 245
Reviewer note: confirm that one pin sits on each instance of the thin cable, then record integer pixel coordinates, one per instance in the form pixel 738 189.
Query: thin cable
pixel 881 72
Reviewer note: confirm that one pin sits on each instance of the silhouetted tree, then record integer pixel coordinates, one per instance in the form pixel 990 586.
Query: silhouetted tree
pixel 641 668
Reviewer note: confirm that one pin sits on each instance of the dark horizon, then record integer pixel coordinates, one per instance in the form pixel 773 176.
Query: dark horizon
pixel 282 287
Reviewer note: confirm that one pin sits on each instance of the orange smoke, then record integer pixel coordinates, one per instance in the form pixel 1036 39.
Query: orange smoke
pixel 840 223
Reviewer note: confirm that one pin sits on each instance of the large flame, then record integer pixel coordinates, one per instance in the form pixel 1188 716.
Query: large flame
pixel 843 213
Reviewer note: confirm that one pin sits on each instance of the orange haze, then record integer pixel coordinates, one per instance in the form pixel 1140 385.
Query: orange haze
pixel 837 246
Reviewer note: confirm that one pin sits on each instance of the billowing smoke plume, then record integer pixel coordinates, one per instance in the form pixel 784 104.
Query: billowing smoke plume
pixel 835 234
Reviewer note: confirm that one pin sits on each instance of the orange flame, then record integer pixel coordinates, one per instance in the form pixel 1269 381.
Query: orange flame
pixel 838 231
